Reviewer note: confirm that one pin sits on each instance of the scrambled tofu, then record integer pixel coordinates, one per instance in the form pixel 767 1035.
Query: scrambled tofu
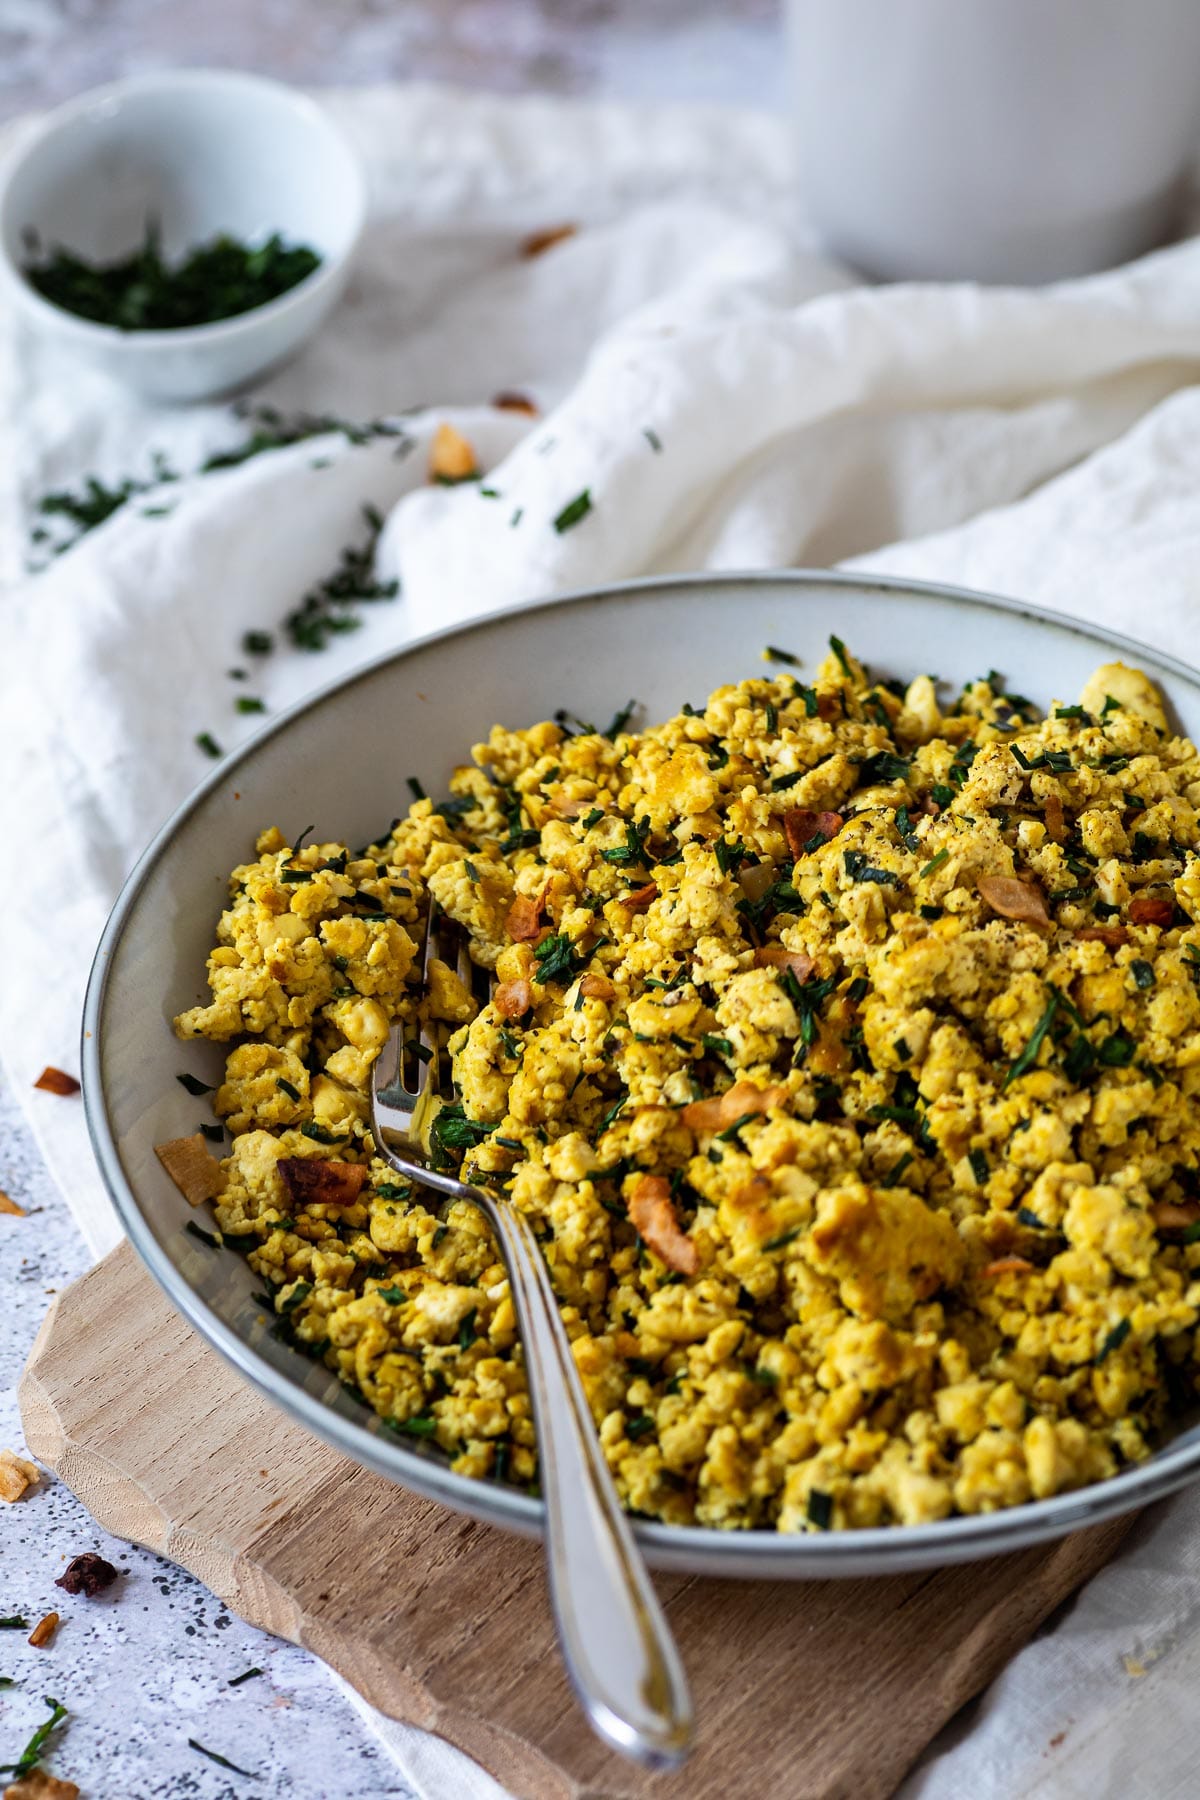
pixel 841 1050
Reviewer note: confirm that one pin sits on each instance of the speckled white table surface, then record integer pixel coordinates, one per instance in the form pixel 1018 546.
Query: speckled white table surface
pixel 146 1666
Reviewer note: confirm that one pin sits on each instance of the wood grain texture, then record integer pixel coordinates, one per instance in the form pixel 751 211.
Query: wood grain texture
pixel 808 1691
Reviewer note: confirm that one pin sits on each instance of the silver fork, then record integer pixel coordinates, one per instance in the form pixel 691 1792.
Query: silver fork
pixel 618 1649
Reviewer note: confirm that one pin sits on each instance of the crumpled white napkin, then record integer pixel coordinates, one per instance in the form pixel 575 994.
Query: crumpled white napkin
pixel 725 398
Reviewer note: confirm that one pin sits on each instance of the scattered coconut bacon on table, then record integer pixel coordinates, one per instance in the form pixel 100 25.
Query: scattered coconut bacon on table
pixel 841 1054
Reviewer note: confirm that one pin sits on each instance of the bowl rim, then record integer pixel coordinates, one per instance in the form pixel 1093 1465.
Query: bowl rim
pixel 750 1554
pixel 330 270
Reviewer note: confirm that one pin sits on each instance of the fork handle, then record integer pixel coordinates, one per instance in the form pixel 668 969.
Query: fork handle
pixel 616 1643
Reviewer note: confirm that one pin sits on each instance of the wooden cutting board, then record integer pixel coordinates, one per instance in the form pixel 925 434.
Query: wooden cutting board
pixel 805 1691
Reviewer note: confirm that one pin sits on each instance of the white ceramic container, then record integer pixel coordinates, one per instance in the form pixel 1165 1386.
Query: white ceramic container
pixel 995 140
pixel 200 152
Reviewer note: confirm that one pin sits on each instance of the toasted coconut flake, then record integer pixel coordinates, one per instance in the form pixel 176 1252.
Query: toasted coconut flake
pixel 44 1630
pixel 653 1215
pixel 1014 899
pixel 1005 1265
pixel 640 898
pixel 192 1167
pixel 538 242
pixel 56 1081
pixel 756 879
pixel 524 919
pixel 311 1181
pixel 1056 824
pixel 17 1476
pixel 35 1784
pixel 451 457
pixel 513 402
pixel 1169 1217
pixel 512 999
pixel 803 825
pixel 742 1098
pixel 1147 910
pixel 9 1205
pixel 597 987
pixel 774 956
pixel 1112 935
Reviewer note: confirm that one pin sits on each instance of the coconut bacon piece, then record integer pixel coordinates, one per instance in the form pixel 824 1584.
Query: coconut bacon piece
pixel 774 956
pixel 451 457
pixel 727 1108
pixel 640 898
pixel 524 920
pixel 311 1181
pixel 56 1081
pixel 1014 899
pixel 1146 910
pixel 802 825
pixel 513 999
pixel 1112 935
pixel 191 1166
pixel 597 987
pixel 653 1214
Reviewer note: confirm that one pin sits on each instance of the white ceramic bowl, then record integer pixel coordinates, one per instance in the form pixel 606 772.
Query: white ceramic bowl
pixel 339 762
pixel 200 152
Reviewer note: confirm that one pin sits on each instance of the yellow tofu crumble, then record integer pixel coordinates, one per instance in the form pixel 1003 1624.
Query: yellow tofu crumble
pixel 842 1051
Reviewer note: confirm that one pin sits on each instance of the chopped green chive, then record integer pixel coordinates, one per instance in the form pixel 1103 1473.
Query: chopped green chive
pixel 248 703
pixel 819 1509
pixel 215 1756
pixel 246 1675
pixel 32 1753
pixel 207 742
pixel 935 862
pixel 772 653
pixel 574 511
pixel 194 1085
pixel 206 1237
pixel 1113 1341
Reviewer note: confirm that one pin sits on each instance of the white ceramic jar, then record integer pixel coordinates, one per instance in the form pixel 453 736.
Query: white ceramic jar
pixel 998 140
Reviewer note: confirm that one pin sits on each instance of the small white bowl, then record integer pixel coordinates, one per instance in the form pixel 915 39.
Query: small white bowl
pixel 200 152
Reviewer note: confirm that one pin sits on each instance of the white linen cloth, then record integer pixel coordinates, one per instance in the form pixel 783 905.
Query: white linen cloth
pixel 728 399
